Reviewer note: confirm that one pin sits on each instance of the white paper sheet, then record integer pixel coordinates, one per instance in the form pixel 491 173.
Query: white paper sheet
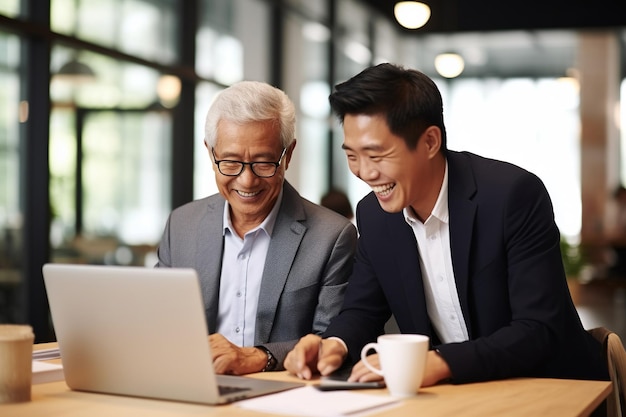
pixel 308 401
pixel 47 372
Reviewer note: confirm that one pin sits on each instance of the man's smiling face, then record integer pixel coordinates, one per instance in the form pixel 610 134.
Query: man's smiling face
pixel 399 176
pixel 250 197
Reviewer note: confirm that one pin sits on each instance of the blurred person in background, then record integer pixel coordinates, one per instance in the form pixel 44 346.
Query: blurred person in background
pixel 338 201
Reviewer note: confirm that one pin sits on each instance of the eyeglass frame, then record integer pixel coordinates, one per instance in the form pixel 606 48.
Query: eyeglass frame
pixel 243 165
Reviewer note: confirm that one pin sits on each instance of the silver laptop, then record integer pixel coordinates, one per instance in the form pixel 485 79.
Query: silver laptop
pixel 139 332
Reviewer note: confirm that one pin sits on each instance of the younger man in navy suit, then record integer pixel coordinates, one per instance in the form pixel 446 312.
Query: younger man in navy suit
pixel 458 247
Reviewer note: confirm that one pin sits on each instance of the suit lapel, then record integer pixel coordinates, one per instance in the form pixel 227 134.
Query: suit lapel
pixel 461 189
pixel 209 248
pixel 286 238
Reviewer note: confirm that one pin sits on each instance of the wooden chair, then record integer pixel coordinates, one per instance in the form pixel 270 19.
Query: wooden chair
pixel 615 356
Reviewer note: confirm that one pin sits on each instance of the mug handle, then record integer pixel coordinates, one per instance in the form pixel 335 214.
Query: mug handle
pixel 369 366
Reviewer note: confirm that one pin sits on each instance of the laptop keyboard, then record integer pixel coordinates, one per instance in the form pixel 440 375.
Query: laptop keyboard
pixel 227 389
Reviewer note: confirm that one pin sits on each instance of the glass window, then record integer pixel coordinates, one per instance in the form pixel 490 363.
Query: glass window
pixel 490 118
pixel 144 28
pixel 10 8
pixel 12 113
pixel 125 185
pixel 114 84
pixel 204 177
pixel 251 27
pixel 232 40
pixel 62 162
pixel 116 125
pixel 126 175
pixel 387 43
pixel 354 51
pixel 306 81
pixel 317 10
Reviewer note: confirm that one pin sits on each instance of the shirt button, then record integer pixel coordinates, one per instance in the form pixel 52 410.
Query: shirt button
pixel 439 278
pixel 452 317
pixel 238 293
pixel 237 330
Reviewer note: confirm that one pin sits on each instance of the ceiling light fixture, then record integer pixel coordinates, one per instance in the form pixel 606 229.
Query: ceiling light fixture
pixel 75 71
pixel 449 65
pixel 411 14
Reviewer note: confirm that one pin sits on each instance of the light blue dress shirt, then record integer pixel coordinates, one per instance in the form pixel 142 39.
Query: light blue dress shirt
pixel 243 262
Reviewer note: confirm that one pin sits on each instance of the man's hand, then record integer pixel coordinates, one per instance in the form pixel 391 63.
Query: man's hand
pixel 361 373
pixel 437 369
pixel 312 355
pixel 232 359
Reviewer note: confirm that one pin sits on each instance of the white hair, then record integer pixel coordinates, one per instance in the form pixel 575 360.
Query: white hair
pixel 251 101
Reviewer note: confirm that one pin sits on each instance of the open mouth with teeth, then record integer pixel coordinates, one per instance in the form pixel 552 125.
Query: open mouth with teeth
pixel 244 194
pixel 383 190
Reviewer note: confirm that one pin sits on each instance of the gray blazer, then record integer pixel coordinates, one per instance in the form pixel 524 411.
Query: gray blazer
pixel 306 272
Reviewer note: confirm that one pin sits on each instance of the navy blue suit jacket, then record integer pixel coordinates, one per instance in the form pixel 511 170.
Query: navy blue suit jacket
pixel 509 277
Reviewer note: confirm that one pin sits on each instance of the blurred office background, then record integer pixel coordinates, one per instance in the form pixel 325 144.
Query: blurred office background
pixel 103 104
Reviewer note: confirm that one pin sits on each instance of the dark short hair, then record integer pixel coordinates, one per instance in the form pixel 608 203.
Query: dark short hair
pixel 409 100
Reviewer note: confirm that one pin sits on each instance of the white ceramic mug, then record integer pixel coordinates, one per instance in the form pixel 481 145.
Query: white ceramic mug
pixel 402 360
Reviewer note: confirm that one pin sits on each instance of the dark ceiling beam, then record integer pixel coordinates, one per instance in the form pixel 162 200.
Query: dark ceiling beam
pixel 498 15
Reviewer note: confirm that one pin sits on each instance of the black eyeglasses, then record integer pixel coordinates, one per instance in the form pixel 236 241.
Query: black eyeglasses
pixel 260 169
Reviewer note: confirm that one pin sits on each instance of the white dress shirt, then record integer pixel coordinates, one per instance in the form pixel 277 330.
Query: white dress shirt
pixel 433 243
pixel 243 263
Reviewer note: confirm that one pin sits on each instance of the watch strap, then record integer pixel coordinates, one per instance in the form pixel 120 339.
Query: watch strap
pixel 271 360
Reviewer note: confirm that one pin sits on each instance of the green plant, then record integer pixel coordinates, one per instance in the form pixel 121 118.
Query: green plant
pixel 573 259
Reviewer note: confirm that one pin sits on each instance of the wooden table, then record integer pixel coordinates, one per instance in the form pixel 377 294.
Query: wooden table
pixel 512 397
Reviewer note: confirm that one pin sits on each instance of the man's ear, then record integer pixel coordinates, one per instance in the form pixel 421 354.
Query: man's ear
pixel 288 153
pixel 432 140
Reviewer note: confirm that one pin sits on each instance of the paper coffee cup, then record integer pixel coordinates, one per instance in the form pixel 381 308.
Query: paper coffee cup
pixel 16 353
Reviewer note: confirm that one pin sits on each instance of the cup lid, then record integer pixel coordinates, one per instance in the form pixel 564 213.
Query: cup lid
pixel 11 332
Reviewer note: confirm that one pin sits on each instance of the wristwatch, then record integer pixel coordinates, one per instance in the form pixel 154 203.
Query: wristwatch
pixel 271 360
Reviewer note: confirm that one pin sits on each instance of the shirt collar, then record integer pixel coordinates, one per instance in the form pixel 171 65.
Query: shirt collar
pixel 266 225
pixel 440 210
